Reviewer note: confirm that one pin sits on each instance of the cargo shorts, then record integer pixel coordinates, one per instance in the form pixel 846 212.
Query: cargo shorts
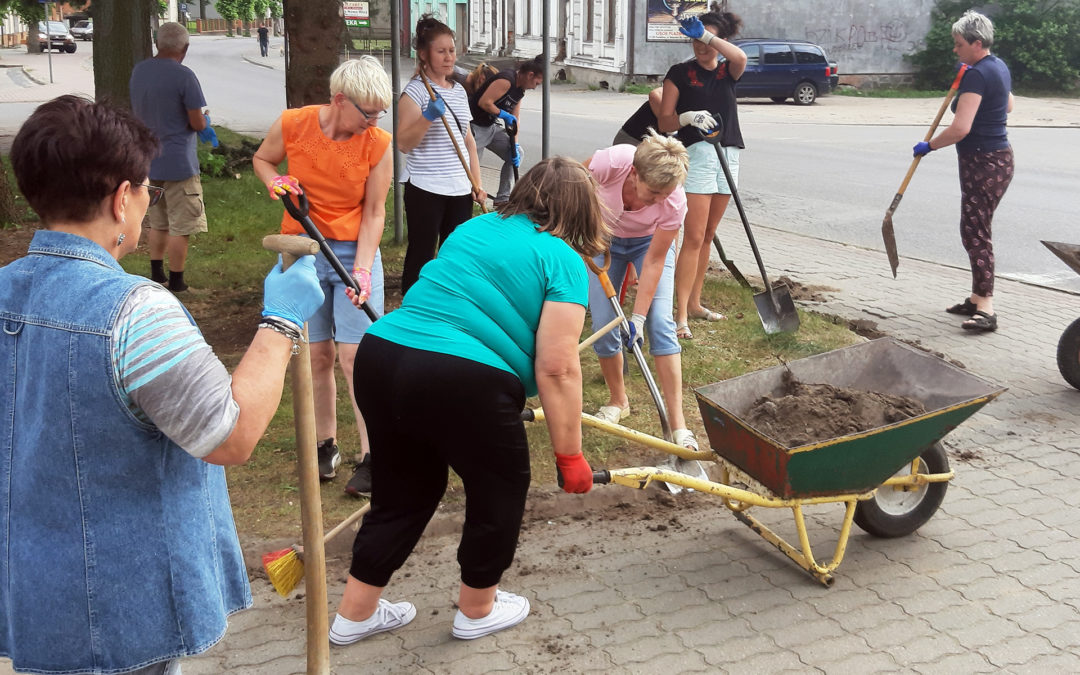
pixel 181 211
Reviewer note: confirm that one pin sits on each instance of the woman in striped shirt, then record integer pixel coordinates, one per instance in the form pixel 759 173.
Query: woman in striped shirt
pixel 438 192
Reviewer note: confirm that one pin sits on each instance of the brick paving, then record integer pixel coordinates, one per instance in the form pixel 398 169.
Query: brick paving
pixel 991 583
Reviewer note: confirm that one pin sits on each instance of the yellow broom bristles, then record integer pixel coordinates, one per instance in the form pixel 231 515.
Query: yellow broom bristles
pixel 285 569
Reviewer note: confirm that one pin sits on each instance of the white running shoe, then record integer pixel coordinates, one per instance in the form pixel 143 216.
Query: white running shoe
pixel 508 610
pixel 388 616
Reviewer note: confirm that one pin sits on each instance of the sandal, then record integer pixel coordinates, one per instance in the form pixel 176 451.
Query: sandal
pixel 612 414
pixel 981 321
pixel 708 315
pixel 682 331
pixel 967 308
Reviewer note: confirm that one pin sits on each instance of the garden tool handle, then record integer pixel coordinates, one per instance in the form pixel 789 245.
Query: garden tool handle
pixel 930 133
pixel 601 273
pixel 289 247
pixel 601 477
pixel 299 211
pixel 446 125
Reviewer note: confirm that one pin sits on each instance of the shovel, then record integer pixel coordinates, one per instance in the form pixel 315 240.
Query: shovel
pixel 774 306
pixel 887 233
pixel 511 133
pixel 299 211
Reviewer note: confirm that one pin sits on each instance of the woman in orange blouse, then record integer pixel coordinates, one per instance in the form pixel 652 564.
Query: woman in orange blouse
pixel 345 165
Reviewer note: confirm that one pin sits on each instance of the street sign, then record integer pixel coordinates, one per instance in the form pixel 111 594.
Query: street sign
pixel 357 14
pixel 182 7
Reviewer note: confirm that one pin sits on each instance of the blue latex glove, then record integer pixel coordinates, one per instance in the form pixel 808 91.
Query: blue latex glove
pixel 637 332
pixel 507 117
pixel 435 109
pixel 208 135
pixel 518 154
pixel 921 148
pixel 295 294
pixel 692 27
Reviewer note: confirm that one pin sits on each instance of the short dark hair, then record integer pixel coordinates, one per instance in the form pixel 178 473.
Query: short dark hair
pixel 727 24
pixel 534 66
pixel 72 153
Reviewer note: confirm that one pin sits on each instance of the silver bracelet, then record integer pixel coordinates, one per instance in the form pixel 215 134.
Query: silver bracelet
pixel 287 330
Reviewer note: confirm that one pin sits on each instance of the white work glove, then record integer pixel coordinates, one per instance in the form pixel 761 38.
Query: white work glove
pixel 700 119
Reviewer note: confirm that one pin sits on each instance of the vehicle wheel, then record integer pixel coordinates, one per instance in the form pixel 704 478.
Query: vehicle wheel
pixel 70 49
pixel 805 93
pixel 779 99
pixel 1068 354
pixel 896 513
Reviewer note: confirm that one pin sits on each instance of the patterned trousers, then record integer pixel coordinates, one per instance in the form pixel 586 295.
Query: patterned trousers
pixel 984 177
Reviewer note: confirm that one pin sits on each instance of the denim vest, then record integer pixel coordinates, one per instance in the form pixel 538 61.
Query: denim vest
pixel 117 548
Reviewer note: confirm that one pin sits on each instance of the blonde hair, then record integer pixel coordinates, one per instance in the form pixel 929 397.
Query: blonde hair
pixel 973 26
pixel 661 161
pixel 362 80
pixel 478 77
pixel 559 195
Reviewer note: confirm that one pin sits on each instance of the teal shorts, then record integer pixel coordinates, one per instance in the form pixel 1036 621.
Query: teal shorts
pixel 706 176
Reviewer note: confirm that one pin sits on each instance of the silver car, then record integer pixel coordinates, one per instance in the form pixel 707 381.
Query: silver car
pixel 84 30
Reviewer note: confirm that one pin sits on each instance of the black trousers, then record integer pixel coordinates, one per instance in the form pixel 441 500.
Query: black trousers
pixel 425 412
pixel 430 217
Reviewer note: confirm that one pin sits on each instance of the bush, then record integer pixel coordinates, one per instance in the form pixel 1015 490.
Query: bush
pixel 1038 39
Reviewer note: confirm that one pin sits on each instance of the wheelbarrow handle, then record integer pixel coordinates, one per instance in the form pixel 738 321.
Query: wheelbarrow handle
pixel 601 477
pixel 299 211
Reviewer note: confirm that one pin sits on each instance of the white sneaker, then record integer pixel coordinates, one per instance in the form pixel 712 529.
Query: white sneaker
pixel 612 414
pixel 508 610
pixel 387 616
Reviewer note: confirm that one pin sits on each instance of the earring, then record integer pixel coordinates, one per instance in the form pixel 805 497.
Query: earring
pixel 120 239
pixel 123 218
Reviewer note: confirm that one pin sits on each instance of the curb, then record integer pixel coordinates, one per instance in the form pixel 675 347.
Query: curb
pixel 28 75
pixel 257 63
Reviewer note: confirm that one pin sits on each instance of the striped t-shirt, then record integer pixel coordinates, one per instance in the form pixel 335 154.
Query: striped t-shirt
pixel 434 165
pixel 168 376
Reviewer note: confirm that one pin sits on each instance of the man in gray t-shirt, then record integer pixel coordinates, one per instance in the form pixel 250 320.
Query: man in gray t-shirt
pixel 167 97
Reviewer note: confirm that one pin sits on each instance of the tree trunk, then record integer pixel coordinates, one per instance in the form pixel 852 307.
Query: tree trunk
pixel 313 51
pixel 121 39
pixel 9 215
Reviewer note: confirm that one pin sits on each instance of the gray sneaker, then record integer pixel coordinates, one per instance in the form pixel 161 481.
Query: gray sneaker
pixel 508 610
pixel 360 483
pixel 329 459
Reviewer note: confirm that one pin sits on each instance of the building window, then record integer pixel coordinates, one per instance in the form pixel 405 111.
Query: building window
pixel 609 27
pixel 528 17
pixel 589 21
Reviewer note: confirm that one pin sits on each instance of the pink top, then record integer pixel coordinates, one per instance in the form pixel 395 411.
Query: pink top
pixel 610 167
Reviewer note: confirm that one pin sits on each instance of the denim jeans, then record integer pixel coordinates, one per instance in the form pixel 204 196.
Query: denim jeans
pixel 338 319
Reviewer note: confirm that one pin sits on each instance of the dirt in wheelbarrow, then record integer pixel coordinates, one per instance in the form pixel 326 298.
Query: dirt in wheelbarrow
pixel 811 413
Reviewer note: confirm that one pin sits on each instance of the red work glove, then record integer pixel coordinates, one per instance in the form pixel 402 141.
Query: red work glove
pixel 575 472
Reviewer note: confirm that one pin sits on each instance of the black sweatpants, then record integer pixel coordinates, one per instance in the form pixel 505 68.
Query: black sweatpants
pixel 430 217
pixel 427 411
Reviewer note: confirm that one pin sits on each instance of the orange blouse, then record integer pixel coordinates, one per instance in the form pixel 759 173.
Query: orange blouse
pixel 333 173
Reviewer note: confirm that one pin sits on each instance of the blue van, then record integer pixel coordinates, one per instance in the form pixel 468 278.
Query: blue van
pixel 783 69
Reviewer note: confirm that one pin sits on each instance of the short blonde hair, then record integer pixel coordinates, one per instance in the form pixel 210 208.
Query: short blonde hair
pixel 661 161
pixel 559 195
pixel 973 26
pixel 363 80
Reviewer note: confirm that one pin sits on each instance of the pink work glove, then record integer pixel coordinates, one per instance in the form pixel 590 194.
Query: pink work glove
pixel 575 472
pixel 284 184
pixel 362 276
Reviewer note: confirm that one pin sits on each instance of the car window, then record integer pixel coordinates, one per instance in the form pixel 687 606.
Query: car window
pixel 56 27
pixel 82 24
pixel 753 54
pixel 775 55
pixel 805 54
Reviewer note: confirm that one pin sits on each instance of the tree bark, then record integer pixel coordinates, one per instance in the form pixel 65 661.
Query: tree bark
pixel 310 30
pixel 121 39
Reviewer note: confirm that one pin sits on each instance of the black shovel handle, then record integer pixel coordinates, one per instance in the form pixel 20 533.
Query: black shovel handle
pixel 511 133
pixel 299 210
pixel 601 477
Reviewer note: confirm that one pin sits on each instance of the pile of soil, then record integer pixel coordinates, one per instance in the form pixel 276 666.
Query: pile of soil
pixel 811 413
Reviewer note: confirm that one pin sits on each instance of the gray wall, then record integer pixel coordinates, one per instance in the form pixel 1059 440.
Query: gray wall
pixel 862 37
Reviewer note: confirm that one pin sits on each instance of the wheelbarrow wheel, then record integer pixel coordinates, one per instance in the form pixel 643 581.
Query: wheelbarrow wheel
pixel 896 513
pixel 1068 354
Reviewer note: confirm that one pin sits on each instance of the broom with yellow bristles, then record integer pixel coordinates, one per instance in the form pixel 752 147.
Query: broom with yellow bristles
pixel 285 568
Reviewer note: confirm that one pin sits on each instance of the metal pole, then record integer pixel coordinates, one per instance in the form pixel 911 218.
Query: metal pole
pixel 395 76
pixel 48 38
pixel 546 110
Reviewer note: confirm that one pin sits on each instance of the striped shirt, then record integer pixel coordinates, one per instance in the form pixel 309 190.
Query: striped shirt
pixel 168 376
pixel 434 165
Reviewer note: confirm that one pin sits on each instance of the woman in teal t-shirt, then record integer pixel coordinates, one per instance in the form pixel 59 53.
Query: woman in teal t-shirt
pixel 494 319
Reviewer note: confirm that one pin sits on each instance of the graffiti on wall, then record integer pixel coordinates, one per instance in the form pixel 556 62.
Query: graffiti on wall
pixel 892 36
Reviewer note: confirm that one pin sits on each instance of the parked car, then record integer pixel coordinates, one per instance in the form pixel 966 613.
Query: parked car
pixel 84 30
pixel 782 69
pixel 59 38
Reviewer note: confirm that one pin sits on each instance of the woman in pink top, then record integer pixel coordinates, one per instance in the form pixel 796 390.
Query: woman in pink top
pixel 642 189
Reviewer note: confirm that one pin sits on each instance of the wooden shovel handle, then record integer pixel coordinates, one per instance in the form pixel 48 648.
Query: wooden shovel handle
pixel 460 155
pixel 933 127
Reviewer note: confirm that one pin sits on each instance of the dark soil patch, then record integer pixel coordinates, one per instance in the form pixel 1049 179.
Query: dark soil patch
pixel 800 291
pixel 865 328
pixel 809 413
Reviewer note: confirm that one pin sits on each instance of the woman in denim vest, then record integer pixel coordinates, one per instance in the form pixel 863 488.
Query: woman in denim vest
pixel 118 552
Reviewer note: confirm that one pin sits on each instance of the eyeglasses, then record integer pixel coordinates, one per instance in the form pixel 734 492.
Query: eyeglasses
pixel 369 117
pixel 156 192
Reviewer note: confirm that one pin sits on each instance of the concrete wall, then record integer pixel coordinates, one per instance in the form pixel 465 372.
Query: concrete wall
pixel 862 37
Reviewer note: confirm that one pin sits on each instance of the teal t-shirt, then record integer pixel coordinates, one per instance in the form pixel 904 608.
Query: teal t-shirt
pixel 481 298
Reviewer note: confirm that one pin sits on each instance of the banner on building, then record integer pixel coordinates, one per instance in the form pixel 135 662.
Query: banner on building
pixel 662 22
pixel 356 14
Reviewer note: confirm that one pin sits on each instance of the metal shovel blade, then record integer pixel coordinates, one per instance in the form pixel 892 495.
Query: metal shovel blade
pixel 1069 253
pixel 777 311
pixel 889 237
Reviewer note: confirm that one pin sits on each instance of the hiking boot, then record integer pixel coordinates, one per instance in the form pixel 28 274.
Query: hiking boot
pixel 329 459
pixel 508 610
pixel 360 483
pixel 387 616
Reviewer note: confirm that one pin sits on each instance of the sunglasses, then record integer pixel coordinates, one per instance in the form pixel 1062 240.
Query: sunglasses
pixel 369 117
pixel 156 193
